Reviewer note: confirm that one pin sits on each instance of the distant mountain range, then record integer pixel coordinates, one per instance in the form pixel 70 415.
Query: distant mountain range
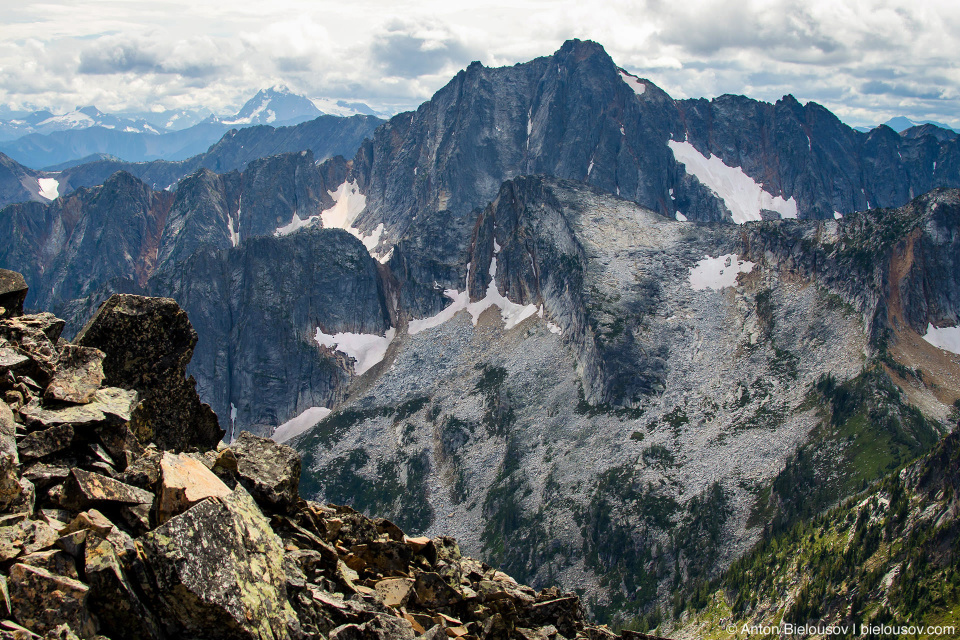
pixel 43 140
pixel 902 123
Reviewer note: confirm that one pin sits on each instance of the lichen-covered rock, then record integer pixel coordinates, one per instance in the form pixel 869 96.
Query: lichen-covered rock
pixel 269 471
pixel 85 488
pixel 379 628
pixel 42 601
pixel 109 404
pixel 13 291
pixel 78 375
pixel 47 441
pixel 113 598
pixel 25 536
pixel 185 481
pixel 148 343
pixel 9 459
pixel 218 570
pixel 35 337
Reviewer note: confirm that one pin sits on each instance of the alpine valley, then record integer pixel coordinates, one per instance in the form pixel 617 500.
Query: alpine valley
pixel 667 354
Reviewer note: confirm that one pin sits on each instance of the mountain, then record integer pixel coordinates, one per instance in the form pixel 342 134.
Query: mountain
pixel 275 106
pixel 901 123
pixel 20 184
pixel 44 140
pixel 553 311
pixel 44 122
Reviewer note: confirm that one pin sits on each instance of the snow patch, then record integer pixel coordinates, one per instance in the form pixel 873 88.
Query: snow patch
pixel 296 426
pixel 633 82
pixel 234 230
pixel 49 188
pixel 366 349
pixel 718 273
pixel 946 338
pixel 837 215
pixel 681 217
pixel 233 421
pixel 590 168
pixel 739 192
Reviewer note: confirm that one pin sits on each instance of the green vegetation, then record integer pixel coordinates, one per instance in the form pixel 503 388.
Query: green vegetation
pixel 867 431
pixel 869 560
pixel 398 489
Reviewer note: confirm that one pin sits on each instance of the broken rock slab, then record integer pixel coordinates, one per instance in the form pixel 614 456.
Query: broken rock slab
pixel 108 404
pixel 219 572
pixel 148 343
pixel 269 471
pixel 42 601
pixel 85 488
pixel 78 375
pixel 185 481
pixel 13 291
pixel 9 458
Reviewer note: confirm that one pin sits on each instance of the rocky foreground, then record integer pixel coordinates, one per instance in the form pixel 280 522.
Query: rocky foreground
pixel 122 515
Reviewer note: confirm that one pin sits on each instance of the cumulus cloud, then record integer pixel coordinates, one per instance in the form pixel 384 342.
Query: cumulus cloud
pixel 867 60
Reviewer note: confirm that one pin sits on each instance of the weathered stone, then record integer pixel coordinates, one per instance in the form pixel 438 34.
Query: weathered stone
pixel 389 529
pixel 84 488
pixel 395 592
pixel 434 592
pixel 26 501
pixel 389 558
pixel 11 359
pixel 184 481
pixel 13 291
pixel 42 601
pixel 219 572
pixel 26 536
pixel 73 543
pixel 563 613
pixel 91 520
pixel 144 472
pixel 43 443
pixel 44 475
pixel 109 404
pixel 53 560
pixel 381 627
pixel 113 599
pixel 9 458
pixel 269 471
pixel 120 443
pixel 148 343
pixel 78 375
pixel 35 336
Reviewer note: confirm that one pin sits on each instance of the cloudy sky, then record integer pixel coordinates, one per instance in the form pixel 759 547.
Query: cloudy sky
pixel 867 60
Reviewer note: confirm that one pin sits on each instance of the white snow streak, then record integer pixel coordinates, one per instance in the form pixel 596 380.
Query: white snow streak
pixel 633 82
pixel 234 230
pixel 718 273
pixel 837 215
pixel 681 217
pixel 49 188
pixel 296 426
pixel 366 348
pixel 946 338
pixel 741 194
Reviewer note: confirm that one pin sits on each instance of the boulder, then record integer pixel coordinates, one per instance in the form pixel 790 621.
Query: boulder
pixel 433 592
pixel 47 441
pixel 144 472
pixel 35 336
pixel 13 291
pixel 9 458
pixel 109 404
pixel 120 442
pixel 219 572
pixel 269 471
pixel 25 536
pixel 148 343
pixel 85 488
pixel 113 599
pixel 185 481
pixel 381 627
pixel 78 375
pixel 42 601
pixel 395 592
pixel 55 561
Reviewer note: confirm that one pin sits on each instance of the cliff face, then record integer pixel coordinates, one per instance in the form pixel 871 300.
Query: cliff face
pixel 103 533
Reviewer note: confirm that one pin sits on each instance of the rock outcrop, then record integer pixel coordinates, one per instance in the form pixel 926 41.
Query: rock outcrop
pixel 103 534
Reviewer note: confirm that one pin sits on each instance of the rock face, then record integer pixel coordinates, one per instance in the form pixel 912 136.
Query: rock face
pixel 13 291
pixel 150 342
pixel 157 545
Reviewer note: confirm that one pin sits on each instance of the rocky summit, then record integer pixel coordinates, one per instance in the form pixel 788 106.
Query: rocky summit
pixel 123 516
